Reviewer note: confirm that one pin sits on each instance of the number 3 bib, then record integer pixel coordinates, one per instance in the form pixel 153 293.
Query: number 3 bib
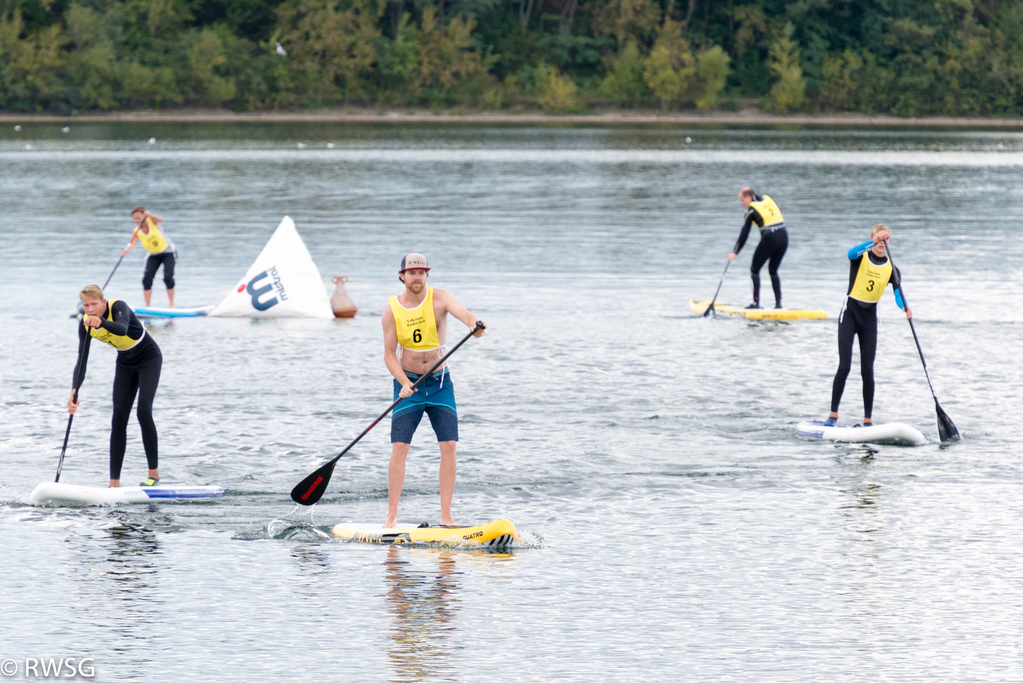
pixel 417 327
pixel 871 280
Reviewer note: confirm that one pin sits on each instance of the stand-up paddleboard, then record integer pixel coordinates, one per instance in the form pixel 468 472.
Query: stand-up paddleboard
pixel 283 282
pixel 699 306
pixel 494 534
pixel 194 312
pixel 893 433
pixel 50 492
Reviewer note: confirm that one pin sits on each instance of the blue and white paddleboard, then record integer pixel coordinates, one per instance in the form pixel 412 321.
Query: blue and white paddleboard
pixel 149 312
pixel 893 433
pixel 50 492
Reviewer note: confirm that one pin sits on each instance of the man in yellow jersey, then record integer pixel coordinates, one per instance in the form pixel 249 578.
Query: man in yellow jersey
pixel 415 331
pixel 160 251
pixel 774 241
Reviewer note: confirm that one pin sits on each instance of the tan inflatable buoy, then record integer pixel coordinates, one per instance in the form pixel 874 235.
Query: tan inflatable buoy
pixel 340 302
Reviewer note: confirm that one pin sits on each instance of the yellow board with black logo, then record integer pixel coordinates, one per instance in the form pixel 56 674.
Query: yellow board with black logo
pixel 500 532
pixel 871 279
pixel 700 306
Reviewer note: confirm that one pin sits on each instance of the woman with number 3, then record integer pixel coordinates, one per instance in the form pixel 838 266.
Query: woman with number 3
pixel 870 271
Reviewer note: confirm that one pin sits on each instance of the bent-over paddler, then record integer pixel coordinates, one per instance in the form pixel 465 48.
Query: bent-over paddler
pixel 139 362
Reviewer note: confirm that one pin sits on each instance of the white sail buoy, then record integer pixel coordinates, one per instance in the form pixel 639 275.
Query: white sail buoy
pixel 283 282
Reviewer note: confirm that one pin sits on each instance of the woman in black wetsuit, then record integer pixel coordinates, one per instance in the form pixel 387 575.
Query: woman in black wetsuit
pixel 137 372
pixel 870 271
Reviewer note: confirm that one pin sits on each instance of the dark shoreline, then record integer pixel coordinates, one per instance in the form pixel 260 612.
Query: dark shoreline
pixel 614 117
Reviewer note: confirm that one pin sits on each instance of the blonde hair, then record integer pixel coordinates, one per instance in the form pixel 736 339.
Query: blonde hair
pixel 878 228
pixel 138 209
pixel 91 292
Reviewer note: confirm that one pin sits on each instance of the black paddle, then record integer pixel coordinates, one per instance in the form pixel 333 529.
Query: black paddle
pixel 310 490
pixel 710 309
pixel 111 276
pixel 82 357
pixel 947 430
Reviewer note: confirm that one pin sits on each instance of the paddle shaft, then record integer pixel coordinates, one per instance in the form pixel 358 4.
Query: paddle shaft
pixel 905 303
pixel 710 309
pixel 309 490
pixel 111 276
pixel 77 386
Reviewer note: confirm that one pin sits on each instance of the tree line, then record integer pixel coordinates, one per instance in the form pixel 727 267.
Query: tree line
pixel 902 57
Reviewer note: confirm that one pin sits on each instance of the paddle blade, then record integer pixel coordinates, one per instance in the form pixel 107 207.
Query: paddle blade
pixel 710 309
pixel 947 430
pixel 311 489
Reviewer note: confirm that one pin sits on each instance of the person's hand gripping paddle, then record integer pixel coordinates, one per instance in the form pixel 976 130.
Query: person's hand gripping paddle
pixel 311 489
pixel 947 430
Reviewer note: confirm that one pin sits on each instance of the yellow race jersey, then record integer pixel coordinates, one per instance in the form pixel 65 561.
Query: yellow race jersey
pixel 417 327
pixel 121 342
pixel 153 241
pixel 871 279
pixel 769 212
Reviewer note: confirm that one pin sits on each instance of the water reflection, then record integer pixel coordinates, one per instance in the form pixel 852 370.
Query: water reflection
pixel 423 593
pixel 118 581
pixel 129 562
pixel 424 602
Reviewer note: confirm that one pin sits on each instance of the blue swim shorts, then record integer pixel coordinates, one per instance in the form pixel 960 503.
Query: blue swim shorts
pixel 435 397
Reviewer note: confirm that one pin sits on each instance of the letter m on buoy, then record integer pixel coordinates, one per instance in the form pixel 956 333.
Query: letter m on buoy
pixel 265 289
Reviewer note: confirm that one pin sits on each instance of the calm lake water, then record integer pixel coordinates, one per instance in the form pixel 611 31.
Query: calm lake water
pixel 675 528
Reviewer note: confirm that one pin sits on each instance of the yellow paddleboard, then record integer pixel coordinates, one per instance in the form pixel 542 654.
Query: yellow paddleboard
pixel 700 306
pixel 494 534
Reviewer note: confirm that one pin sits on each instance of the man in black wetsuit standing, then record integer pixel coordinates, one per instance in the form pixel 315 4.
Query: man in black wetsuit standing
pixel 139 362
pixel 774 240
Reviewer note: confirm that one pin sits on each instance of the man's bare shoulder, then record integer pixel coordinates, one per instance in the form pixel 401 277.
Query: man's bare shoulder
pixel 442 295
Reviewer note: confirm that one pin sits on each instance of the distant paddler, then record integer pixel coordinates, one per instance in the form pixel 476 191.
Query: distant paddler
pixel 774 241
pixel 870 271
pixel 415 332
pixel 160 251
pixel 139 362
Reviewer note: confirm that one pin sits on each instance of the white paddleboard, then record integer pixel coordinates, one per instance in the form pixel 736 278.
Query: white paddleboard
pixel 892 433
pixel 50 492
pixel 194 312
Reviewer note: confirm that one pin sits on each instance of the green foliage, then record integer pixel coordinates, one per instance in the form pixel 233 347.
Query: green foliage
pixel 552 90
pixel 908 58
pixel 670 70
pixel 788 90
pixel 624 83
pixel 711 75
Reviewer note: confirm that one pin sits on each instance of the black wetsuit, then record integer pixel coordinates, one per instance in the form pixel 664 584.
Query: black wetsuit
pixel 772 247
pixel 137 372
pixel 859 319
pixel 153 263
